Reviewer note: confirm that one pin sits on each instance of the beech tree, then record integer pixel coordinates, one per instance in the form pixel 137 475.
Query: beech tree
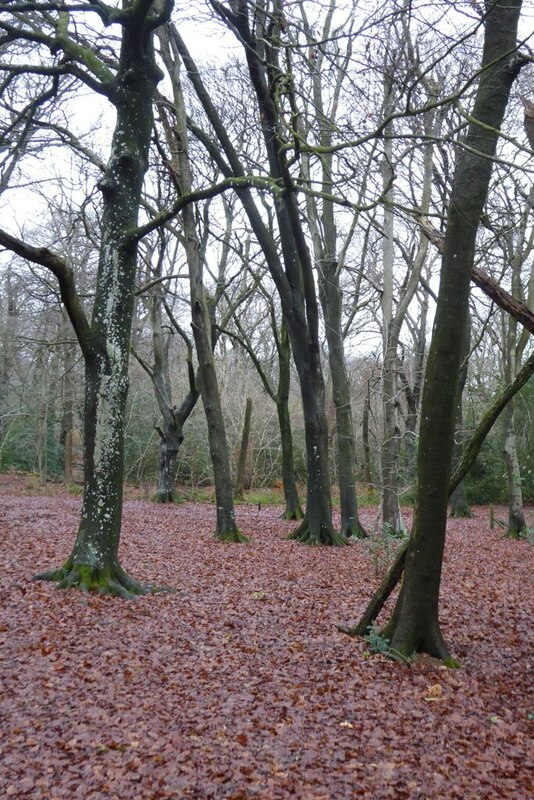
pixel 414 625
pixel 129 85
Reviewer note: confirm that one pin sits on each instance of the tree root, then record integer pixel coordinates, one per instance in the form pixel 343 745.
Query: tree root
pixel 234 536
pixel 291 514
pixel 113 581
pixel 320 535
pixel 167 497
pixel 354 530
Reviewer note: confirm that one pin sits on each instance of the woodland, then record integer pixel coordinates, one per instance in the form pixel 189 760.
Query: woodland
pixel 266 316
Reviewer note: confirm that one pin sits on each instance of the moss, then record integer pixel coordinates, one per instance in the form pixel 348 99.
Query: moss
pixel 234 536
pixel 95 580
pixel 293 514
pixel 167 497
pixel 322 534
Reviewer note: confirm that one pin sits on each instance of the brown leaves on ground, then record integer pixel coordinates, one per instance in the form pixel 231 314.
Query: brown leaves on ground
pixel 238 685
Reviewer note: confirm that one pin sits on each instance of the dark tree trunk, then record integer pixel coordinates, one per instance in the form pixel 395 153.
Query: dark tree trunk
pixel 169 448
pixel 295 283
pixel 331 297
pixel 94 563
pixel 415 625
pixel 293 509
pixel 226 527
pixel 458 499
pixel 367 473
pixel 239 492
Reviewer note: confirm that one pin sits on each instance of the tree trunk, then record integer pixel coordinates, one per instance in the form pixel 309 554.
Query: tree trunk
pixel 331 297
pixel 171 440
pixel 226 527
pixel 367 474
pixel 516 517
pixel 458 499
pixel 293 509
pixel 316 527
pixel 239 492
pixel 295 283
pixel 67 420
pixel 94 563
pixel 415 621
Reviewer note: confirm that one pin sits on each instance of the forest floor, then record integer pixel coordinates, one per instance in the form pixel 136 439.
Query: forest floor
pixel 238 685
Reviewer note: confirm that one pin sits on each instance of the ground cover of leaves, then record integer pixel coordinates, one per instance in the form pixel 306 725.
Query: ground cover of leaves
pixel 239 685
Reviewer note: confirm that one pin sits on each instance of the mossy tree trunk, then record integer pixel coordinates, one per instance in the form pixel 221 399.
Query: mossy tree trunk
pixel 226 527
pixel 414 626
pixel 93 563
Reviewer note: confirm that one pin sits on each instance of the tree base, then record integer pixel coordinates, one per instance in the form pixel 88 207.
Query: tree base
pixel 292 514
pixel 354 531
pixel 167 497
pixel 461 513
pixel 109 581
pixel 408 643
pixel 317 535
pixel 234 536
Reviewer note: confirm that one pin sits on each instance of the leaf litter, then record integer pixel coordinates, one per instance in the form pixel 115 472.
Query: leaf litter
pixel 238 685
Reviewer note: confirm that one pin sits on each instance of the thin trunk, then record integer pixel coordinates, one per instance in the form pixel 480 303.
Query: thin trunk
pixel 458 499
pixel 367 474
pixel 331 301
pixel 239 492
pixel 295 282
pixel 516 516
pixel 226 527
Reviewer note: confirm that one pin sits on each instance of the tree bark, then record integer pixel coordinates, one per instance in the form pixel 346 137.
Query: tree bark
pixel 516 516
pixel 295 283
pixel 226 527
pixel 293 509
pixel 458 499
pixel 239 492
pixel 416 624
pixel 94 563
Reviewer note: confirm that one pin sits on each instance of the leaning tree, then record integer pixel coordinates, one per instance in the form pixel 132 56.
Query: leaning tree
pixel 414 625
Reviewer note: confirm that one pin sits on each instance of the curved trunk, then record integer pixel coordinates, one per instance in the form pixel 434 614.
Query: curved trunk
pixel 226 527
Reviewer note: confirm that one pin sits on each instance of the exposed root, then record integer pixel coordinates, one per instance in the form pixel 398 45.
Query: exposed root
pixel 108 581
pixel 431 642
pixel 291 514
pixel 354 530
pixel 167 497
pixel 234 536
pixel 321 534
